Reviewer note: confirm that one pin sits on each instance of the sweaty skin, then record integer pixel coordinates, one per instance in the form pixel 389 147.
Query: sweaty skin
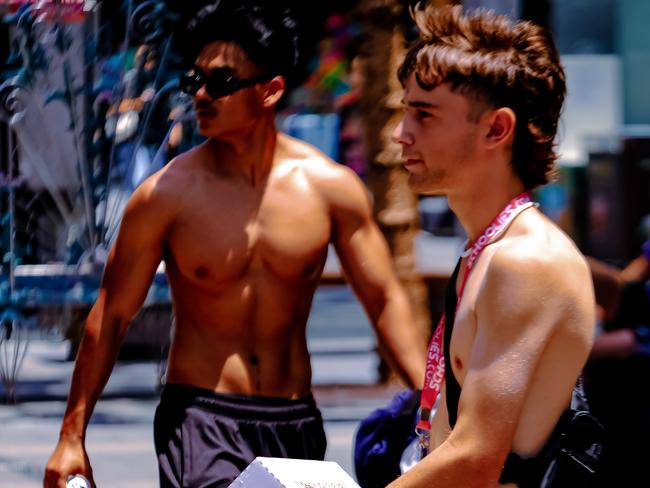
pixel 243 223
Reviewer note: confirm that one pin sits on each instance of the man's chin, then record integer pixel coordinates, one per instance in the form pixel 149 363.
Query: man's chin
pixel 208 130
pixel 427 183
pixel 203 128
pixel 420 186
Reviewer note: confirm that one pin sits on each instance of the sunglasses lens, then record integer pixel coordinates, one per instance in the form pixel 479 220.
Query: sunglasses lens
pixel 190 83
pixel 220 85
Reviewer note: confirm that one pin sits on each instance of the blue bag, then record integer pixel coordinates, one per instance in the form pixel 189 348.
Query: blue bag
pixel 382 437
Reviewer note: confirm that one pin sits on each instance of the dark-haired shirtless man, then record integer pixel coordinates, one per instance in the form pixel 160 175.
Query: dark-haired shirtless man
pixel 243 223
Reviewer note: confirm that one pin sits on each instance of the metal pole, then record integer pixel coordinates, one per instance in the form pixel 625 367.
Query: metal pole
pixel 12 211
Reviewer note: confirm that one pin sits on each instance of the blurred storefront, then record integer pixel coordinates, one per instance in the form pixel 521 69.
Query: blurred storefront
pixel 601 196
pixel 605 136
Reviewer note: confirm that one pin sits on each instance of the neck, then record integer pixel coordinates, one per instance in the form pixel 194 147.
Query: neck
pixel 476 207
pixel 246 155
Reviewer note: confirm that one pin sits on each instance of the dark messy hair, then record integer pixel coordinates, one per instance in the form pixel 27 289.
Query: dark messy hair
pixel 268 31
pixel 496 62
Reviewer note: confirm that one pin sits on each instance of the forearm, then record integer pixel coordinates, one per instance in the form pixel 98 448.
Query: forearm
pixel 615 344
pixel 451 467
pixel 400 338
pixel 95 360
pixel 637 270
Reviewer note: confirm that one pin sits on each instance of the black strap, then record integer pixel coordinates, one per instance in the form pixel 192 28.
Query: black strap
pixel 579 398
pixel 528 472
pixel 452 388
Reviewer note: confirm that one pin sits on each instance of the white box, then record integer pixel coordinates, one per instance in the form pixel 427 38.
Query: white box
pixel 265 472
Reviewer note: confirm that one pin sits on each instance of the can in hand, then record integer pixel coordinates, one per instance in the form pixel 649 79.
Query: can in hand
pixel 77 481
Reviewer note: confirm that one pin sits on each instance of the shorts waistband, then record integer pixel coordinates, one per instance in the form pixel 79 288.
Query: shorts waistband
pixel 240 406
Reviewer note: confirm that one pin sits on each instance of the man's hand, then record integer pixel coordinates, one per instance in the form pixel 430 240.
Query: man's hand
pixel 69 458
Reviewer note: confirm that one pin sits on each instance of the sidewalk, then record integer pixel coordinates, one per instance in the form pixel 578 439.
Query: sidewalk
pixel 120 437
pixel 348 364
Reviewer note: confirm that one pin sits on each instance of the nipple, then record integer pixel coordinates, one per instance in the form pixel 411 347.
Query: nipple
pixel 201 272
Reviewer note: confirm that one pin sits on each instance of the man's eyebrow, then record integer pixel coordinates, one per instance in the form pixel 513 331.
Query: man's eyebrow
pixel 226 69
pixel 419 104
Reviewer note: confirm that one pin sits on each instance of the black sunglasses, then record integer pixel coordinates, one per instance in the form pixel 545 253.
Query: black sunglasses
pixel 219 82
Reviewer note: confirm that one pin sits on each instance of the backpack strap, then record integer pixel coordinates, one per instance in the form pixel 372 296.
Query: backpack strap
pixel 579 398
pixel 452 388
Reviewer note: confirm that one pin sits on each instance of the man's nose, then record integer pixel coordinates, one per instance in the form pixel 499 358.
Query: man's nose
pixel 201 93
pixel 400 135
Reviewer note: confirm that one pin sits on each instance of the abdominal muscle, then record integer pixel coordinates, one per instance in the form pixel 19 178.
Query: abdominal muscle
pixel 247 339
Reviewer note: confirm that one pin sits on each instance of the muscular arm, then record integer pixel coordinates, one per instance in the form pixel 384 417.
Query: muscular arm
pixel 513 332
pixel 129 270
pixel 365 258
pixel 131 265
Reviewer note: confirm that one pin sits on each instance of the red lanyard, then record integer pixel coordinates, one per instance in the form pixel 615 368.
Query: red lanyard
pixel 435 367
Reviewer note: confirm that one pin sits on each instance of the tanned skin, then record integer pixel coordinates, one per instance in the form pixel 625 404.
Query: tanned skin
pixel 243 223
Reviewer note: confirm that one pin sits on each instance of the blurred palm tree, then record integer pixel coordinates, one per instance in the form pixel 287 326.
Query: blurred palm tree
pixel 395 205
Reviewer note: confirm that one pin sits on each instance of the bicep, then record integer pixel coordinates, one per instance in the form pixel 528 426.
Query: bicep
pixel 135 256
pixel 364 255
pixel 362 248
pixel 512 333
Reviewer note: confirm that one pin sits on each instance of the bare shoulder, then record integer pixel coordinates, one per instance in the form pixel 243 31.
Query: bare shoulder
pixel 538 247
pixel 150 212
pixel 164 188
pixel 538 268
pixel 336 183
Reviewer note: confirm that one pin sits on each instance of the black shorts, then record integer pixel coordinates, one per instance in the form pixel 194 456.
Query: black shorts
pixel 205 439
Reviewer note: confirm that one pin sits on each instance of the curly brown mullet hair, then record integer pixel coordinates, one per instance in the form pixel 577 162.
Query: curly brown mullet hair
pixel 497 63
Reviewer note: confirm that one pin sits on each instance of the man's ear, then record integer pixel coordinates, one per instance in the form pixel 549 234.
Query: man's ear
pixel 501 127
pixel 274 91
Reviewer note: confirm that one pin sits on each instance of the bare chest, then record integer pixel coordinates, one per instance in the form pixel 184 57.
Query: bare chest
pixel 463 336
pixel 224 234
pixel 461 343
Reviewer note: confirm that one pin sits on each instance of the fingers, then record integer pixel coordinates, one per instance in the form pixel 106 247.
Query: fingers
pixel 53 479
pixel 90 481
pixel 69 459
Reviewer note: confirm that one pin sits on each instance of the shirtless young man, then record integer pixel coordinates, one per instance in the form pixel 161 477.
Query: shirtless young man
pixel 243 224
pixel 482 98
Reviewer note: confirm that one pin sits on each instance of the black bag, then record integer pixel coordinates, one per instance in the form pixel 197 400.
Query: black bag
pixel 569 459
pixel 580 450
